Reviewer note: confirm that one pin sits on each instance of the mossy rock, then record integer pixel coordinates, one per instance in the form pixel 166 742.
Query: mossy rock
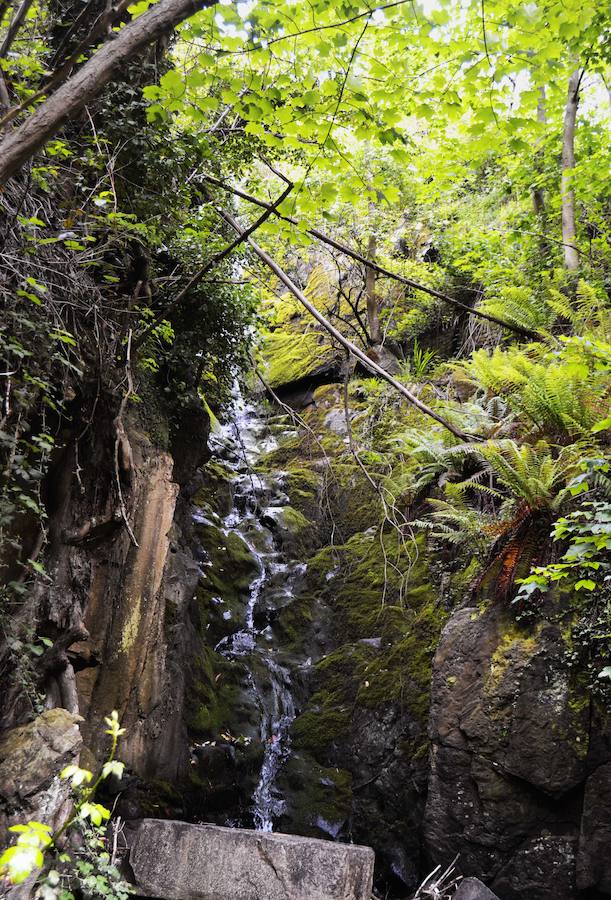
pixel 295 532
pixel 291 357
pixel 219 698
pixel 216 491
pixel 319 800
pixel 289 453
pixel 224 586
pixel 302 486
pixel 385 624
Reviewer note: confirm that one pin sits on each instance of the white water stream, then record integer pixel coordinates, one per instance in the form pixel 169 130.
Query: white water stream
pixel 240 443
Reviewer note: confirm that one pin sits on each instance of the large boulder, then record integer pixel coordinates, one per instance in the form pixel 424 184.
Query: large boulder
pixel 474 889
pixel 510 731
pixel 31 758
pixel 176 861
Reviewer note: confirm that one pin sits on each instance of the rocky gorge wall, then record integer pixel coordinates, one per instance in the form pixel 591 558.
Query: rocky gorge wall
pixel 426 722
pixel 430 722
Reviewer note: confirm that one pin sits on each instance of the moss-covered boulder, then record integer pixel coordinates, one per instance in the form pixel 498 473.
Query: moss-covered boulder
pixel 512 727
pixel 321 798
pixel 292 357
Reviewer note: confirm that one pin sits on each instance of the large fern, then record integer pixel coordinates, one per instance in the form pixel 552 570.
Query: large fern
pixel 557 398
pixel 520 306
pixel 533 475
pixel 541 309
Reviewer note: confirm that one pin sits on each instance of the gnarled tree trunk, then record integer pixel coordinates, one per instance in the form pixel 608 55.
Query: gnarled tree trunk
pixel 69 99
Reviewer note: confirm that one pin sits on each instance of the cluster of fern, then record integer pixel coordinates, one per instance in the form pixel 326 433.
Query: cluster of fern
pixel 545 414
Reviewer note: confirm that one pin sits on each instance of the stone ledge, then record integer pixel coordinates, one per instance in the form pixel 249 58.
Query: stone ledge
pixel 178 861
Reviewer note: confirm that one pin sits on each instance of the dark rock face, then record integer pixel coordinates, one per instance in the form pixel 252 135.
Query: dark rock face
pixel 593 863
pixel 511 731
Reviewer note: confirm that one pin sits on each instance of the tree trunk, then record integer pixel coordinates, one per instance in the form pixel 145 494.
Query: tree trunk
pixel 21 144
pixel 373 319
pixel 537 191
pixel 14 27
pixel 571 256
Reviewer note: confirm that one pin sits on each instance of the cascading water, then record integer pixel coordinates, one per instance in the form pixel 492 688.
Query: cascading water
pixel 240 443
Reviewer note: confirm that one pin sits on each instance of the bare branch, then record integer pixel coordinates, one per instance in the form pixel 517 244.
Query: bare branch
pixel 354 254
pixel 339 337
pixel 69 99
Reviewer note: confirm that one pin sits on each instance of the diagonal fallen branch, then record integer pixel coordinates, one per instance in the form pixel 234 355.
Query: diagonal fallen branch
pixel 211 264
pixel 339 337
pixel 354 254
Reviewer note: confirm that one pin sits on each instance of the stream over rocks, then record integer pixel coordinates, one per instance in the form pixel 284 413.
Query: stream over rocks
pixel 256 518
pixel 345 686
pixel 306 708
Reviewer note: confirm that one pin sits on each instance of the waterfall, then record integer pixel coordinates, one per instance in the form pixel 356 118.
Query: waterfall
pixel 240 443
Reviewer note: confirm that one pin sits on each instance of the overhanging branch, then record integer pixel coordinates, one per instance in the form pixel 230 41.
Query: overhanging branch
pixel 354 254
pixel 339 337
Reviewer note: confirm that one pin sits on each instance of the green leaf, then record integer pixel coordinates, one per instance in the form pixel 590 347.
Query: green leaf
pixel 585 584
pixel 113 767
pixel 76 775
pixel 95 812
pixel 18 862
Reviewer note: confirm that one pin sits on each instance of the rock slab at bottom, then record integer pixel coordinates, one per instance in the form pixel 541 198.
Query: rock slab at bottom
pixel 474 889
pixel 177 861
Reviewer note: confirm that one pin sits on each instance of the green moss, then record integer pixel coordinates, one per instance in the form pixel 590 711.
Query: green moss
pixel 216 697
pixel 322 725
pixel 302 485
pixel 294 622
pixel 294 520
pixel 290 452
pixel 317 794
pixel 292 356
pixel 216 492
pixel 232 565
pixel 385 621
pixel 513 640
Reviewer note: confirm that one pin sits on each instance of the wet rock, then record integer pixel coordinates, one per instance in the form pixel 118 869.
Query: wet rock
pixel 510 731
pixel 31 758
pixel 594 860
pixel 176 861
pixel 290 526
pixel 473 889
pixel 223 777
